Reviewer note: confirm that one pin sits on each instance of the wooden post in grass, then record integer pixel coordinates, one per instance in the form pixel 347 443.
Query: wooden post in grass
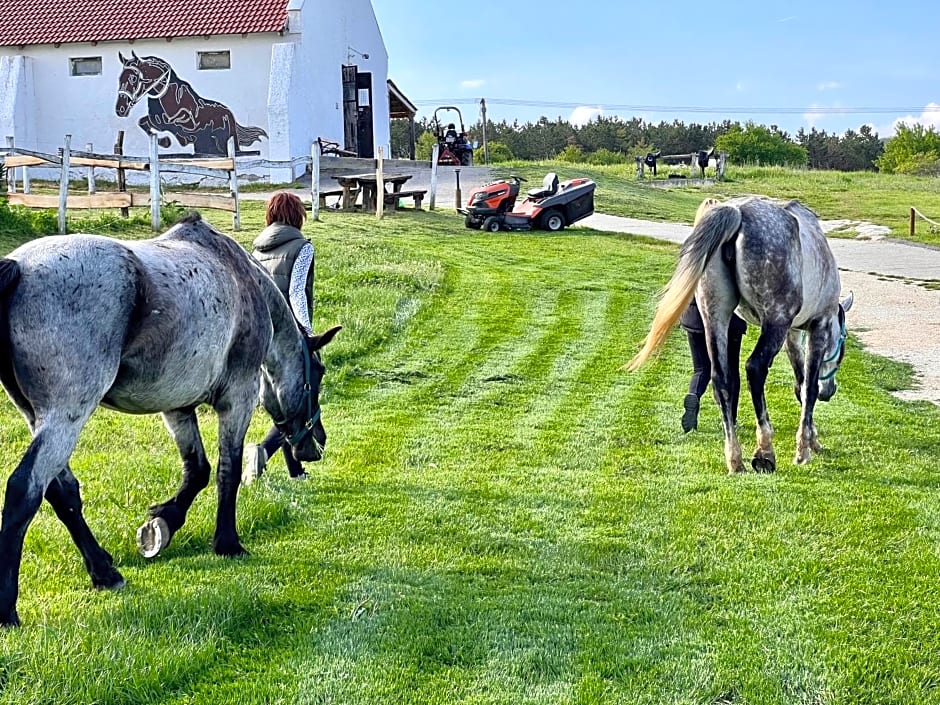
pixel 315 182
pixel 64 183
pixel 913 216
pixel 11 174
pixel 434 152
pixel 380 185
pixel 91 170
pixel 154 185
pixel 233 182
pixel 121 178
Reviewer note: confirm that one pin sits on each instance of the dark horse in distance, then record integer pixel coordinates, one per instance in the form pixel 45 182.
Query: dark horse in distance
pixel 772 266
pixel 174 106
pixel 160 325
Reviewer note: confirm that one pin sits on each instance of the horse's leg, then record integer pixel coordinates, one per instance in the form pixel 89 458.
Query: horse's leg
pixel 47 454
pixel 807 437
pixel 234 411
pixel 167 518
pixel 797 362
pixel 64 497
pixel 723 389
pixel 758 365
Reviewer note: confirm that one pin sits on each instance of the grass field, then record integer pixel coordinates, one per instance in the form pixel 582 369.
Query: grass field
pixel 503 515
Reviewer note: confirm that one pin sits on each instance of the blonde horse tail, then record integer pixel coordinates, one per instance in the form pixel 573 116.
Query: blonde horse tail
pixel 716 224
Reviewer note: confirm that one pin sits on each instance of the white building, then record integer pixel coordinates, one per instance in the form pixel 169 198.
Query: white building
pixel 276 74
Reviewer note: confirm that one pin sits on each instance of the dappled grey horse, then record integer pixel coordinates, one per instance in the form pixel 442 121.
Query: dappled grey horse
pixel 160 325
pixel 772 265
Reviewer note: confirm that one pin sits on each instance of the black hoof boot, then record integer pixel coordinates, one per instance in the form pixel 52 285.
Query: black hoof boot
pixel 690 417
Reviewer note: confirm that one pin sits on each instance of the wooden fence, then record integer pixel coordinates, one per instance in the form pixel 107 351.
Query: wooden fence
pixel 224 168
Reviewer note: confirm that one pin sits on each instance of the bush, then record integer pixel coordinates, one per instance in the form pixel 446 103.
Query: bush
pixel 756 144
pixel 498 152
pixel 571 154
pixel 913 150
pixel 605 157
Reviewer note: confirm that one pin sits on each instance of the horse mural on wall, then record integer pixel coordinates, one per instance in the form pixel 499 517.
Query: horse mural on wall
pixel 174 106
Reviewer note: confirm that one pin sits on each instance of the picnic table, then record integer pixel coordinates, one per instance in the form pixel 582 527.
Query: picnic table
pixel 367 184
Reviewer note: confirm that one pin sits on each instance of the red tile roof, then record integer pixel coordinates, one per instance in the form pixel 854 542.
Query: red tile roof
pixel 25 22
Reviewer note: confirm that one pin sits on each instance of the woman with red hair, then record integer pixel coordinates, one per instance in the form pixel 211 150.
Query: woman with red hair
pixel 289 258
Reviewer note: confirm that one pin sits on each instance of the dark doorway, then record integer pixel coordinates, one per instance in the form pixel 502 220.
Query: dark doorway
pixel 350 110
pixel 364 130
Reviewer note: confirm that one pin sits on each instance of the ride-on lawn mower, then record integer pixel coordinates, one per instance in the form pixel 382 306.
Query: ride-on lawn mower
pixel 455 148
pixel 551 207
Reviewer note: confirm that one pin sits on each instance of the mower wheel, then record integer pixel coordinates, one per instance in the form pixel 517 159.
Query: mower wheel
pixel 553 221
pixel 491 224
pixel 472 222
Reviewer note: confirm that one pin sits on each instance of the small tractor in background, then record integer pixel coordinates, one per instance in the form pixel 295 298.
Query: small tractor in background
pixel 455 148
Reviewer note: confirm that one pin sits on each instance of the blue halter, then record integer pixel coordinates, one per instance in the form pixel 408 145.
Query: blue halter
pixel 835 355
pixel 313 413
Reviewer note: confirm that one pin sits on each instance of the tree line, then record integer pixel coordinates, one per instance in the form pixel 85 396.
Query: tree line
pixel 606 140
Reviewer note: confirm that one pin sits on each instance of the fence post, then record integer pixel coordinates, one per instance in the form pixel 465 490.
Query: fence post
pixel 639 167
pixel 233 181
pixel 315 182
pixel 722 159
pixel 154 185
pixel 379 185
pixel 91 170
pixel 434 152
pixel 11 175
pixel 121 179
pixel 64 183
pixel 912 221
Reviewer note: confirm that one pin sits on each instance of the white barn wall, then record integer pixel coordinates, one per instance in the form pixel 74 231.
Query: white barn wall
pixel 290 85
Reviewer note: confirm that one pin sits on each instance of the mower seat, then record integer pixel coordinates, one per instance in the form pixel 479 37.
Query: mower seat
pixel 549 187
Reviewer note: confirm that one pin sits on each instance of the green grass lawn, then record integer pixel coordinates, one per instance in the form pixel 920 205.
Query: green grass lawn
pixel 503 515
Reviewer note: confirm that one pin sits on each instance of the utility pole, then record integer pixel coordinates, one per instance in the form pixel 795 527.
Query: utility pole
pixel 486 154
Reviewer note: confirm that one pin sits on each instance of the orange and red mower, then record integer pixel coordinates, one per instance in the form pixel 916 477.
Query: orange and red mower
pixel 552 207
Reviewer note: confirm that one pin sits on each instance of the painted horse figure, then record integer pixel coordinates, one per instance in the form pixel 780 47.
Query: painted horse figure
pixel 174 106
pixel 772 265
pixel 160 325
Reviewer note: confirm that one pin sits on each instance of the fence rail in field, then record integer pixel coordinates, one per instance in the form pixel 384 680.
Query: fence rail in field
pixel 915 214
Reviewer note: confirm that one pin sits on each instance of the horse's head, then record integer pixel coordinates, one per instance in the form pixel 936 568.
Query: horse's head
pixel 138 78
pixel 299 419
pixel 835 350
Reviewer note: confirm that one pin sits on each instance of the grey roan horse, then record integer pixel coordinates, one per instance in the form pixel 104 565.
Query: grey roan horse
pixel 772 263
pixel 160 325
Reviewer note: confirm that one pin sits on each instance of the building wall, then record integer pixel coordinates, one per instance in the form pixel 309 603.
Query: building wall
pixel 289 85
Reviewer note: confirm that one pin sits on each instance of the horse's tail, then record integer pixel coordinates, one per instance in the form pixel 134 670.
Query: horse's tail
pixel 248 135
pixel 716 225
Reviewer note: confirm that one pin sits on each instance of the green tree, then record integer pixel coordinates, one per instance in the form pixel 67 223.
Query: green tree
pixel 913 150
pixel 757 144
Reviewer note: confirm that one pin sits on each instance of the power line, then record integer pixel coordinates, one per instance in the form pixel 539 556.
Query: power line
pixel 734 110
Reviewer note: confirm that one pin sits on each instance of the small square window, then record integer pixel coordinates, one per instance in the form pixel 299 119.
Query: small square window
pixel 209 60
pixel 86 66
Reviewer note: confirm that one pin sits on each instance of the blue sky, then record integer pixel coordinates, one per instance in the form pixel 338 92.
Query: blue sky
pixel 833 64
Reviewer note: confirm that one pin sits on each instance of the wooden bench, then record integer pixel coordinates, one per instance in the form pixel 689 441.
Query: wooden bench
pixel 332 149
pixel 391 199
pixel 334 192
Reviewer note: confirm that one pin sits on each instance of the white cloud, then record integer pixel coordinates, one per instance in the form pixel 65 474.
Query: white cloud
pixel 584 114
pixel 472 83
pixel 828 85
pixel 787 19
pixel 929 117
pixel 740 86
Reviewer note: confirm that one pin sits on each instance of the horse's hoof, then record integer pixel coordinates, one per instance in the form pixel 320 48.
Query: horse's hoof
pixel 113 580
pixel 763 464
pixel 10 620
pixel 801 458
pixel 153 537
pixel 233 550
